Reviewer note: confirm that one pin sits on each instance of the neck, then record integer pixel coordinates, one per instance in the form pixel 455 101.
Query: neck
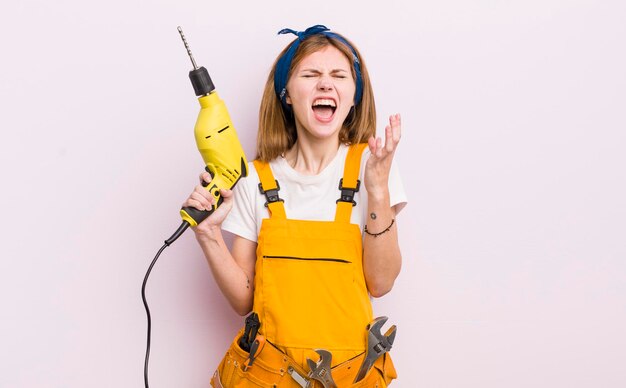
pixel 311 158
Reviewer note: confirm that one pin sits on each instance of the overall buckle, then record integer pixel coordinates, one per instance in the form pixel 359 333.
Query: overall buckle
pixel 272 194
pixel 347 193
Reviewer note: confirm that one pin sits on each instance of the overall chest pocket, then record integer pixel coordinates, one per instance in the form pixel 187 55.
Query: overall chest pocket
pixel 309 300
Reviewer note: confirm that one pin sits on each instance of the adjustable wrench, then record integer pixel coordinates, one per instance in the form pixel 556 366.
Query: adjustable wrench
pixel 320 371
pixel 377 345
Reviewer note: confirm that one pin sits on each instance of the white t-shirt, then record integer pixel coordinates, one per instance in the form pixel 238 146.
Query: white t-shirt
pixel 306 197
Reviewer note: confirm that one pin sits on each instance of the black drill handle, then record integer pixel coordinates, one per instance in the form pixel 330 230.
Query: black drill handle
pixel 201 215
pixel 196 215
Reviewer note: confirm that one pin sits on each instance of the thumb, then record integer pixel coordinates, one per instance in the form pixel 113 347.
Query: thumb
pixel 226 194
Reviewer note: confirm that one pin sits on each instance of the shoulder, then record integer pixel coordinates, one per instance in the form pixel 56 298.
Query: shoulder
pixel 251 180
pixel 365 155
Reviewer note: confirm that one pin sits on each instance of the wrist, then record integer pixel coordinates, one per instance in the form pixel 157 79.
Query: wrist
pixel 378 195
pixel 208 234
pixel 376 234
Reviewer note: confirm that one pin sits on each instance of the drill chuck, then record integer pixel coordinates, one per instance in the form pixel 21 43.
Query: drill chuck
pixel 201 81
pixel 199 76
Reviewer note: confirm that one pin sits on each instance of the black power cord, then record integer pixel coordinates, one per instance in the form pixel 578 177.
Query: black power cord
pixel 168 242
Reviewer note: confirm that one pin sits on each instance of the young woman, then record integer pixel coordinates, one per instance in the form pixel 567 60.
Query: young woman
pixel 314 224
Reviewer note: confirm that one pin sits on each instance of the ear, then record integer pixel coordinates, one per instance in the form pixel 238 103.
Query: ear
pixel 287 98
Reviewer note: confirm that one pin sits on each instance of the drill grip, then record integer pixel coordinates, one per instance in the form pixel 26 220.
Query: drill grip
pixel 191 213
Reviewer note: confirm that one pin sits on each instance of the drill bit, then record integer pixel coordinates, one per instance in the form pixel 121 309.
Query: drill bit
pixel 193 62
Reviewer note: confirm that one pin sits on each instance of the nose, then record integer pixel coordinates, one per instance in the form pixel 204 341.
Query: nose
pixel 325 84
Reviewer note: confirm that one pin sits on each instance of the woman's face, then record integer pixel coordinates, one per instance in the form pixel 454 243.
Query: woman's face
pixel 321 92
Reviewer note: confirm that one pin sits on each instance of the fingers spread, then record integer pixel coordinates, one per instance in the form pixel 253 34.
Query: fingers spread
pixel 396 124
pixel 371 142
pixel 392 132
pixel 389 142
pixel 379 147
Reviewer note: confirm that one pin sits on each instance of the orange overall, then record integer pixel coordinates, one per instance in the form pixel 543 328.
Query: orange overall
pixel 310 293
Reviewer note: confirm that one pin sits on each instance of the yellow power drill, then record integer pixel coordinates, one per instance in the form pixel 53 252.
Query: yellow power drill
pixel 217 142
pixel 223 155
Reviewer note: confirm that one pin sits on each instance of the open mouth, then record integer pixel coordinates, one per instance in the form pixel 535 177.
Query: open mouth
pixel 324 108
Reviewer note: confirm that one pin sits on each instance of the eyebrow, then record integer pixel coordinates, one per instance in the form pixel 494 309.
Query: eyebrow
pixel 332 71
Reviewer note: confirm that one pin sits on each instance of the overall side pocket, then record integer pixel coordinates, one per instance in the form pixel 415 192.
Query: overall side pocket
pixel 226 369
pixel 231 370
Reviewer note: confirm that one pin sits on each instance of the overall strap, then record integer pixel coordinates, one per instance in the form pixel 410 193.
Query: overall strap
pixel 350 183
pixel 269 187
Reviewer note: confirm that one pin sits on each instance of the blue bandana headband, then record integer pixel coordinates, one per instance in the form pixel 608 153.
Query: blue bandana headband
pixel 284 63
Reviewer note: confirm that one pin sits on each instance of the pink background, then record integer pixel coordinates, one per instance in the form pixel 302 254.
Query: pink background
pixel 512 155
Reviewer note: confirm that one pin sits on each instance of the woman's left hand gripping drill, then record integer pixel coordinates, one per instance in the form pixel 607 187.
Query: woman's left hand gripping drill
pixel 233 269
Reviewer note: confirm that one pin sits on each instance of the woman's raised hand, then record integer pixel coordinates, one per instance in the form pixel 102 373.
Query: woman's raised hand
pixel 379 163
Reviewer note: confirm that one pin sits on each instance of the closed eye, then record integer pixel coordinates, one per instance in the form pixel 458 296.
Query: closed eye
pixel 340 73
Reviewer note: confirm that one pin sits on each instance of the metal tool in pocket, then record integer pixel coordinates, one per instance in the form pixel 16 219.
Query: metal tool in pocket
pixel 250 331
pixel 255 349
pixel 377 345
pixel 320 371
